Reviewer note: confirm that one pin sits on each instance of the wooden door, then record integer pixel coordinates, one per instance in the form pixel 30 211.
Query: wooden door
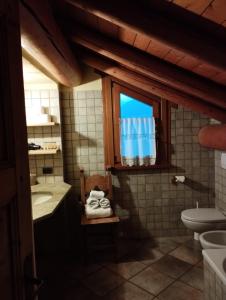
pixel 16 254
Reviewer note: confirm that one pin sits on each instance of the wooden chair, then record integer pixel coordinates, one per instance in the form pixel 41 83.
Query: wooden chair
pixel 103 183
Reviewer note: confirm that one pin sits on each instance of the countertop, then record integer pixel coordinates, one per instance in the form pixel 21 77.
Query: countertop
pixel 59 190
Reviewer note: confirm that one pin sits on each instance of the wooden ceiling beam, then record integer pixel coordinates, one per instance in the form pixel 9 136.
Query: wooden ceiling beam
pixel 42 39
pixel 149 22
pixel 153 87
pixel 150 66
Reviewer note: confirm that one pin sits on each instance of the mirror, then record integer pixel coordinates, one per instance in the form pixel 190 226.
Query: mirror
pixel 43 126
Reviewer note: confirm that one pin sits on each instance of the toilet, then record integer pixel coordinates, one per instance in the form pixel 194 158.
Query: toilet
pixel 203 219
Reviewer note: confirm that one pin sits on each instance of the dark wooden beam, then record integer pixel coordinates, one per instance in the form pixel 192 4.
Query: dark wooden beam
pixel 149 22
pixel 150 66
pixel 153 87
pixel 43 40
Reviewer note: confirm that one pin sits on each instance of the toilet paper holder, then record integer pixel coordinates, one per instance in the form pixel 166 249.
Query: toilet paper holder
pixel 178 179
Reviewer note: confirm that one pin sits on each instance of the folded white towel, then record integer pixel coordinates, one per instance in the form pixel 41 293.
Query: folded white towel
pixel 96 194
pixel 93 202
pixel 98 212
pixel 104 203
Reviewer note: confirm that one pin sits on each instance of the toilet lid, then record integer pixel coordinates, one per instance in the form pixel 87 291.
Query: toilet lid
pixel 203 215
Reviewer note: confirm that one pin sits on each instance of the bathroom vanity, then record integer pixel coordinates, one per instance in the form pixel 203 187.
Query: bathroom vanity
pixel 51 211
pixel 46 197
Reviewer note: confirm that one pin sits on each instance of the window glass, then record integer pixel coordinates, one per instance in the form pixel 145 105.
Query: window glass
pixel 133 108
pixel 137 132
pixel 136 127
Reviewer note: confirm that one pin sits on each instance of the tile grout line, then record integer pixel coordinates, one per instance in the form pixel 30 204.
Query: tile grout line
pixel 178 279
pixel 174 280
pixel 127 280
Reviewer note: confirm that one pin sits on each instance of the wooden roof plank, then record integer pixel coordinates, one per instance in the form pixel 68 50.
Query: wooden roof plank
pixel 150 66
pixel 44 41
pixel 154 25
pixel 126 36
pixel 157 49
pixel 141 42
pixel 196 6
pixel 154 87
pixel 216 11
pixel 108 28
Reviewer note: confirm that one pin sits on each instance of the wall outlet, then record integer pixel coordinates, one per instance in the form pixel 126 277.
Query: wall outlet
pixel 47 170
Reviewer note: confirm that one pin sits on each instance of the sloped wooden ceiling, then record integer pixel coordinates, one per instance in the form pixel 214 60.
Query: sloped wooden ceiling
pixel 174 48
pixel 43 43
pixel 196 17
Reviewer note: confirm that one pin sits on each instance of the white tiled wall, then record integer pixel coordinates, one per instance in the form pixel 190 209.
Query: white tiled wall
pixel 147 201
pixel 48 98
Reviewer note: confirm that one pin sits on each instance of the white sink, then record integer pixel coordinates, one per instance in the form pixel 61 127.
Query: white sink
pixel 40 197
pixel 213 239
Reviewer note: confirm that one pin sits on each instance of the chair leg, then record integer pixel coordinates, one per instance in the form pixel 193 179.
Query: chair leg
pixel 115 239
pixel 84 245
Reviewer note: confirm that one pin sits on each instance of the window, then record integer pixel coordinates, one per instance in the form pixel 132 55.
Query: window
pixel 136 128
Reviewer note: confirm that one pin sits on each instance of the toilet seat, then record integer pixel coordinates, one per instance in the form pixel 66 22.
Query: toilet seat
pixel 203 215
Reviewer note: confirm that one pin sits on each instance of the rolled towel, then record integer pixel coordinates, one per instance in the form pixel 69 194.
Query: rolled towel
pixel 93 203
pixel 104 203
pixel 96 194
pixel 97 213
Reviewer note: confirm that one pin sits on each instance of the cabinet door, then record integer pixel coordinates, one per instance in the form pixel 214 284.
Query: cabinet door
pixel 16 246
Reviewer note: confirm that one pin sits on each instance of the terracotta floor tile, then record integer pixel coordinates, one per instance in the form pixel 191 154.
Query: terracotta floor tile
pixel 125 246
pixel 150 266
pixel 187 254
pixel 145 255
pixel 182 239
pixel 152 280
pixel 126 269
pixel 171 266
pixel 102 281
pixel 180 291
pixel 194 277
pixel 129 291
pixel 81 293
pixel 82 271
pixel 166 245
pixel 194 244
pixel 200 264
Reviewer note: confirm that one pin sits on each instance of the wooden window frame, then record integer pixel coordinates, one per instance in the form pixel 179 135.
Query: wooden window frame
pixel 161 111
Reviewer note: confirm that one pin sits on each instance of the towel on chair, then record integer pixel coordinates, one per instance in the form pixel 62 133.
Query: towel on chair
pixel 104 203
pixel 98 212
pixel 96 194
pixel 93 202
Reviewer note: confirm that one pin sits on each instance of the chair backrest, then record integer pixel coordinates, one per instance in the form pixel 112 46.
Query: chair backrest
pixel 95 182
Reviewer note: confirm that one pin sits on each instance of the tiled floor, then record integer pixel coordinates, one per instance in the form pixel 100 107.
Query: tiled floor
pixel 166 269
